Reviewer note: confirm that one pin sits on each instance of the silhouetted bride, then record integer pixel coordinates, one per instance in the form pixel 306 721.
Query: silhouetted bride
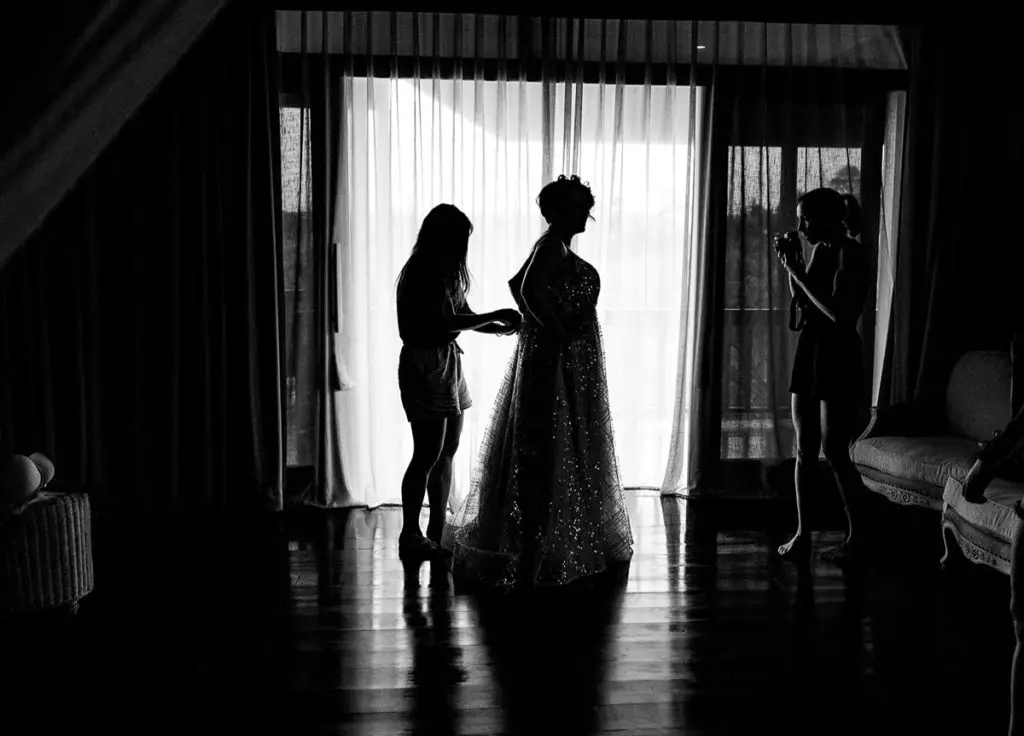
pixel 546 506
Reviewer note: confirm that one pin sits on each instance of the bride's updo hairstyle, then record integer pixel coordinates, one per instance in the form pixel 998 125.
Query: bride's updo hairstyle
pixel 555 198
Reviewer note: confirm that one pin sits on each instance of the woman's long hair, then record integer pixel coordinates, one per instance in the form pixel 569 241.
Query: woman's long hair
pixel 440 252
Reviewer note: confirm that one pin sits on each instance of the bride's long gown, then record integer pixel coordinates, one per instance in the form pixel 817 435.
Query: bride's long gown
pixel 545 506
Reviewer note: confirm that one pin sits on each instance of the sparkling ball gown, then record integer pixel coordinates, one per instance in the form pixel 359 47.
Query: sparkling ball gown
pixel 545 506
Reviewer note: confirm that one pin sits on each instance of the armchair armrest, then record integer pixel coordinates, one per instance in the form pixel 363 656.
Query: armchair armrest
pixel 906 419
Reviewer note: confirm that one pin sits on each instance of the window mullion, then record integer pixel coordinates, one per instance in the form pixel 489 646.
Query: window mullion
pixel 786 216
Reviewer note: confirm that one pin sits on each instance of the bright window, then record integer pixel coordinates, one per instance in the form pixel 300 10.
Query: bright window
pixel 482 146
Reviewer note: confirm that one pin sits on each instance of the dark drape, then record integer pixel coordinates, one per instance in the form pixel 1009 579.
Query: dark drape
pixel 140 327
pixel 705 447
pixel 315 367
pixel 958 271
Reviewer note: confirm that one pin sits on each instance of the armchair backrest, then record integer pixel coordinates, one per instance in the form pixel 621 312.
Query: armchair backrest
pixel 978 394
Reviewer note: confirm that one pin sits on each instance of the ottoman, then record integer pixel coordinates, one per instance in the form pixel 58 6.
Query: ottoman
pixel 46 553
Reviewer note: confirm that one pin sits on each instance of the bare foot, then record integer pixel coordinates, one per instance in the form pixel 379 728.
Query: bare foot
pixel 798 546
pixel 977 480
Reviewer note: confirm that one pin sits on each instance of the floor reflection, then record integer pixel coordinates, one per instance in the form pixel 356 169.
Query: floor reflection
pixel 318 628
pixel 550 651
pixel 436 670
pixel 705 631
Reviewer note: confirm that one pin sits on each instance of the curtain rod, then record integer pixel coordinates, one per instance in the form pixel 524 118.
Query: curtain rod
pixel 871 13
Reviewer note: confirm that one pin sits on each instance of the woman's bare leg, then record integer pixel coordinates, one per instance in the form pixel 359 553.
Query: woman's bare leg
pixel 428 440
pixel 837 420
pixel 807 424
pixel 439 482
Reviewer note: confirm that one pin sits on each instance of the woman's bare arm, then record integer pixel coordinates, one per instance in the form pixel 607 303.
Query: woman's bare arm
pixel 505 326
pixel 429 302
pixel 849 289
pixel 821 301
pixel 463 322
pixel 541 270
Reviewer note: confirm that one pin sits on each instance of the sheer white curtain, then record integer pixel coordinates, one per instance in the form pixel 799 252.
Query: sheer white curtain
pixel 488 143
pixel 892 175
pixel 409 145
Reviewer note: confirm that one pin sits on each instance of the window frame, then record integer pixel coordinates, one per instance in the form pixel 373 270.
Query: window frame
pixel 773 87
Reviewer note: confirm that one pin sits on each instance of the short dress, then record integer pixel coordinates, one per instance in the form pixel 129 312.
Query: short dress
pixel 828 364
pixel 430 376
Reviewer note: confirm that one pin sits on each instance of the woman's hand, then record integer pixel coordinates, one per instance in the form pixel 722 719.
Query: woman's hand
pixel 508 321
pixel 790 254
pixel 508 316
pixel 507 328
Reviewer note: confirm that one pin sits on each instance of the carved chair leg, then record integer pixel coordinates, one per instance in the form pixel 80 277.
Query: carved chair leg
pixel 1017 610
pixel 944 562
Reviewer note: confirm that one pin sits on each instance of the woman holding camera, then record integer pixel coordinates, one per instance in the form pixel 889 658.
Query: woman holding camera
pixel 829 295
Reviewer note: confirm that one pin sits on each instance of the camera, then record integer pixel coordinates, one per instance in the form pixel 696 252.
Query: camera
pixel 788 247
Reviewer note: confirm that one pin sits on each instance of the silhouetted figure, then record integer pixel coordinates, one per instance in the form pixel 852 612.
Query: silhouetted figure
pixel 546 506
pixel 827 369
pixel 432 311
pixel 1002 457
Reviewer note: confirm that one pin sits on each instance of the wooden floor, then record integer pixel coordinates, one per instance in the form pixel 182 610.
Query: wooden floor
pixel 309 624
